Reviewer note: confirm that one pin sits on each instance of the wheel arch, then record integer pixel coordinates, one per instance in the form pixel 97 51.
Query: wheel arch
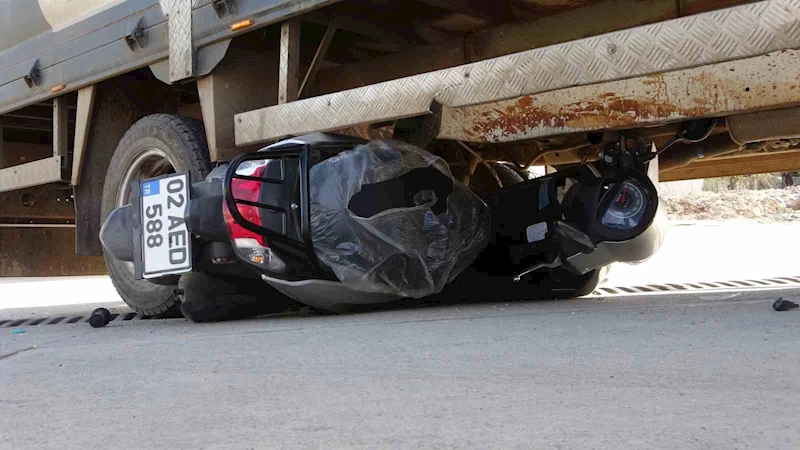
pixel 119 103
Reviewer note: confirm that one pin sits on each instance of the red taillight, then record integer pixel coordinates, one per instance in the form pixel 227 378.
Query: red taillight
pixel 248 190
pixel 250 246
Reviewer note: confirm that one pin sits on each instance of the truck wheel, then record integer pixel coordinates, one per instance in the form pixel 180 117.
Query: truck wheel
pixel 155 145
pixel 508 174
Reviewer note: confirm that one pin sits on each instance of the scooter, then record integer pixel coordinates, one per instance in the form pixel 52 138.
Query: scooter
pixel 263 213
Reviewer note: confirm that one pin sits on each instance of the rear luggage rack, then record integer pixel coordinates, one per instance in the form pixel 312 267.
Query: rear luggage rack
pixel 297 247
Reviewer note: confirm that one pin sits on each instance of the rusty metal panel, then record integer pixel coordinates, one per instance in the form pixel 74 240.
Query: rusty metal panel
pixel 29 174
pixel 44 252
pixel 723 35
pixel 768 81
pixel 41 202
pixel 726 167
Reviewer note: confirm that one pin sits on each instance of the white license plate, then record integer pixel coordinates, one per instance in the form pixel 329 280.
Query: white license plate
pixel 166 243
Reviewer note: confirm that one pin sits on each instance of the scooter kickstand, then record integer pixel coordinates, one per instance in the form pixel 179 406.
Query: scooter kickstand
pixel 542 265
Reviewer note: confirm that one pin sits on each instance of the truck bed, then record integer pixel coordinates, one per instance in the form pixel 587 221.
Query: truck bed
pixel 95 48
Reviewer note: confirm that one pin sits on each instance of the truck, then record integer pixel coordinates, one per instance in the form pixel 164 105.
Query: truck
pixel 100 97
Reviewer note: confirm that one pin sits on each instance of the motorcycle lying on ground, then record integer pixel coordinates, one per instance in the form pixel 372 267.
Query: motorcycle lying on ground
pixel 331 221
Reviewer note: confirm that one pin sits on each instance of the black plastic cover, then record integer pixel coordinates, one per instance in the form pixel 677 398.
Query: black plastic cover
pixel 412 249
pixel 116 235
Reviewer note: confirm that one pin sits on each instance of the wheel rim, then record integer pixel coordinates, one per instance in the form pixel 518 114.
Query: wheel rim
pixel 151 163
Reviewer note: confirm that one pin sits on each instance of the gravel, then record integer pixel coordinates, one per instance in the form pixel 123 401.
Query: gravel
pixel 768 205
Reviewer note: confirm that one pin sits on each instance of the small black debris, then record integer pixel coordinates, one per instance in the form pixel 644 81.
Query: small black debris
pixel 100 318
pixel 783 305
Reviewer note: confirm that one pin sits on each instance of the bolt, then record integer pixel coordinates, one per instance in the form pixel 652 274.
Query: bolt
pixel 294 206
pixel 612 49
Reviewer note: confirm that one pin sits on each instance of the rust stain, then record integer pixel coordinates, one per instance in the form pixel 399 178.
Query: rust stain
pixel 524 102
pixel 701 95
pixel 365 131
pixel 657 79
pixel 605 112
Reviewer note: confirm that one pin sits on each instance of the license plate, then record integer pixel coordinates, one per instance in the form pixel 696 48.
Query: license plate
pixel 166 244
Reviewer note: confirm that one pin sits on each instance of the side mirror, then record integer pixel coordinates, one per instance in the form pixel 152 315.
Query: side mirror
pixel 567 233
pixel 693 131
pixel 697 130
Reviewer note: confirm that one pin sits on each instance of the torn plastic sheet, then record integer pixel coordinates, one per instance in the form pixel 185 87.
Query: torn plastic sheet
pixel 409 251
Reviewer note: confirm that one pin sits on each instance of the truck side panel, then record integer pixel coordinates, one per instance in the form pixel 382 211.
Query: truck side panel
pixel 95 48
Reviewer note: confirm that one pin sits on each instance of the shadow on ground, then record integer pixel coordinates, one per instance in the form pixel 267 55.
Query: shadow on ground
pixel 471 287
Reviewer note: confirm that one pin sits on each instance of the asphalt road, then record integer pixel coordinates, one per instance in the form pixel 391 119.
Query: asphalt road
pixel 698 371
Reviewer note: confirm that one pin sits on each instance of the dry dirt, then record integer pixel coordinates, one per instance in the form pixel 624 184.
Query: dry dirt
pixel 769 205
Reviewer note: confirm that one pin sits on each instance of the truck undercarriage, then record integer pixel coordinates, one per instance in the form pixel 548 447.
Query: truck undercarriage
pixel 483 85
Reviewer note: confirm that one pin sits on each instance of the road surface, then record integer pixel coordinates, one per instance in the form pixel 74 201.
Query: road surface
pixel 700 371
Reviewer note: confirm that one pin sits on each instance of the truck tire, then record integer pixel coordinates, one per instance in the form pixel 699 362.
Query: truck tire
pixel 508 174
pixel 155 145
pixel 483 181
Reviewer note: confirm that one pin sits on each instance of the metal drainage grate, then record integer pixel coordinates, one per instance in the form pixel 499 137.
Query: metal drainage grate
pixel 67 320
pixel 781 282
